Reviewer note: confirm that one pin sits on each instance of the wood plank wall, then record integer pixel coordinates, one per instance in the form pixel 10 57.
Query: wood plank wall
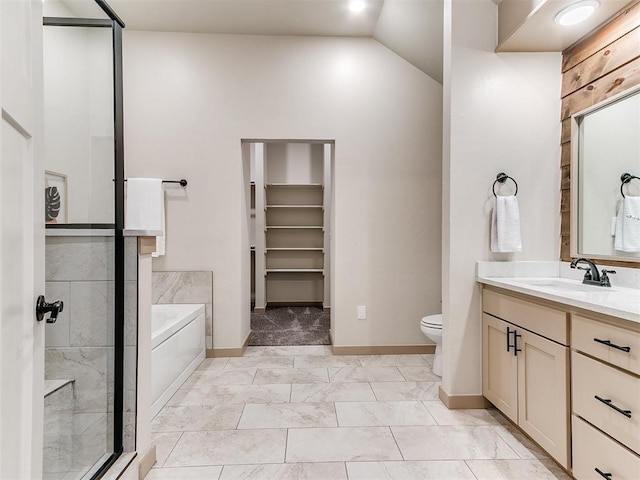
pixel 601 65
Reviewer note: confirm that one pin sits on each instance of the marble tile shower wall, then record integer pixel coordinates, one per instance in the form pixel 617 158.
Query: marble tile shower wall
pixel 130 342
pixel 80 345
pixel 58 431
pixel 186 287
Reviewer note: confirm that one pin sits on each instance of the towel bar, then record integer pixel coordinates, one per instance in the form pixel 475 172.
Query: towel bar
pixel 182 181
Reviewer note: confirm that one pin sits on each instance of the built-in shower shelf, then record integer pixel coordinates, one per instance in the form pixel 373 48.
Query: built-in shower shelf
pixel 51 386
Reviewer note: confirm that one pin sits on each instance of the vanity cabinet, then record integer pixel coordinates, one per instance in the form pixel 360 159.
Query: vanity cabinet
pixel 525 368
pixel 605 364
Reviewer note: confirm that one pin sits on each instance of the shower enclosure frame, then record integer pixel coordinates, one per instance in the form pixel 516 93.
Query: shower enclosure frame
pixel 117 25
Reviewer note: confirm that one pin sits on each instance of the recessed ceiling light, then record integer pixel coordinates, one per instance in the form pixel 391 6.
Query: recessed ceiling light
pixel 356 5
pixel 576 12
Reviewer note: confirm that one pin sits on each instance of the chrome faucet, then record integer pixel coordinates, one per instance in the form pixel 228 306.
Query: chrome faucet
pixel 592 276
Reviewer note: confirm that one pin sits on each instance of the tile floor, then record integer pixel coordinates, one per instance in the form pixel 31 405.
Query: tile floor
pixel 300 413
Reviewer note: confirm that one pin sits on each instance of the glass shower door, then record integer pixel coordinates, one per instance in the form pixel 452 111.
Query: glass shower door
pixel 82 349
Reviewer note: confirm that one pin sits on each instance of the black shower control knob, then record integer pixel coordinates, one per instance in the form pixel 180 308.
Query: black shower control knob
pixel 42 308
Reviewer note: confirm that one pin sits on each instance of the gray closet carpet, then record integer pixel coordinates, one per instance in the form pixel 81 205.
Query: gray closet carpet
pixel 290 326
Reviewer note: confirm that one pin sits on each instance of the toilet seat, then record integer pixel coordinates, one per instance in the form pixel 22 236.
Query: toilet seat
pixel 432 321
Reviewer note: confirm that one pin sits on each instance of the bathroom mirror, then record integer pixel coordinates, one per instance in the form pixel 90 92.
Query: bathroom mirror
pixel 606 146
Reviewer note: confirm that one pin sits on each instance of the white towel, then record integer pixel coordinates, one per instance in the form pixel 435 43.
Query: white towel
pixel 628 225
pixel 161 239
pixel 145 205
pixel 505 225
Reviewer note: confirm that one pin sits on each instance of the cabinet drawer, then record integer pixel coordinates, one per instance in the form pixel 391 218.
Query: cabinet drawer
pixel 584 331
pixel 545 321
pixel 591 378
pixel 592 449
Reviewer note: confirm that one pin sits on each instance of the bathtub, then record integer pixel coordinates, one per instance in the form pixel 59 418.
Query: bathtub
pixel 177 348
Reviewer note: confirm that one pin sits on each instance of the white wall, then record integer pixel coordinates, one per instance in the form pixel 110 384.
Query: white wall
pixel 191 98
pixel 294 162
pixel 501 114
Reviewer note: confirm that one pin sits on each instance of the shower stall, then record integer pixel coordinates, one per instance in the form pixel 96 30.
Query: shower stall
pixel 90 350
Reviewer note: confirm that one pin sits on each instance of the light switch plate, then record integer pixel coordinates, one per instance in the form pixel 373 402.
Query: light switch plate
pixel 362 312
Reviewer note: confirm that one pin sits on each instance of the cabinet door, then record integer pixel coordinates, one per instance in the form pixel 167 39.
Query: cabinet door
pixel 543 400
pixel 499 367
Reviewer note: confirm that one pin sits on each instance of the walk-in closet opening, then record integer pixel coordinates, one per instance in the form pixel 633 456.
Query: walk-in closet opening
pixel 289 216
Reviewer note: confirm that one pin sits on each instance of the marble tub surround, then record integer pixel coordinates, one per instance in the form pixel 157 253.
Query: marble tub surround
pixel 618 301
pixel 238 419
pixel 186 287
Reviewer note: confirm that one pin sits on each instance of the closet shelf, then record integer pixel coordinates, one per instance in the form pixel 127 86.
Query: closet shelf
pixel 294 227
pixel 295 249
pixel 294 206
pixel 294 270
pixel 315 185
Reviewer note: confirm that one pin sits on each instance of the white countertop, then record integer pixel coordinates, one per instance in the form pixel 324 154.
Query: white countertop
pixel 615 301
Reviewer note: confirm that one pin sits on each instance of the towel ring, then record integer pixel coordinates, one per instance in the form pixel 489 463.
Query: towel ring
pixel 501 178
pixel 626 178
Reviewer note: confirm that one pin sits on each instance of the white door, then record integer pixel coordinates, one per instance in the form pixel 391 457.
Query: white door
pixel 21 239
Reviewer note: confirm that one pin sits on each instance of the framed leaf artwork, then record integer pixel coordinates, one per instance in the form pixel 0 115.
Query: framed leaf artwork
pixel 55 197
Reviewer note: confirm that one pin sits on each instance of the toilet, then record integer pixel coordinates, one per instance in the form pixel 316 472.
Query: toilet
pixel 431 327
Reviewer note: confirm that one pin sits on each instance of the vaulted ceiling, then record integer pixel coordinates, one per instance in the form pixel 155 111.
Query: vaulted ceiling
pixel 411 28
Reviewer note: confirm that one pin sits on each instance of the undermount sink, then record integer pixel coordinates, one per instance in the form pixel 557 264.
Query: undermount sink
pixel 563 284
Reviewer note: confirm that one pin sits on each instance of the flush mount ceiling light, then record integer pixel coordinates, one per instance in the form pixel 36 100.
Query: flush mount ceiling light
pixel 356 5
pixel 576 12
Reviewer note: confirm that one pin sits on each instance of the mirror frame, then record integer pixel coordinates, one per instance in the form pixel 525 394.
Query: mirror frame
pixel 576 143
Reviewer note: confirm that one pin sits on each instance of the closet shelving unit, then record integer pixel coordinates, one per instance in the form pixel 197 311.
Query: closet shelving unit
pixel 291 227
pixel 294 242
